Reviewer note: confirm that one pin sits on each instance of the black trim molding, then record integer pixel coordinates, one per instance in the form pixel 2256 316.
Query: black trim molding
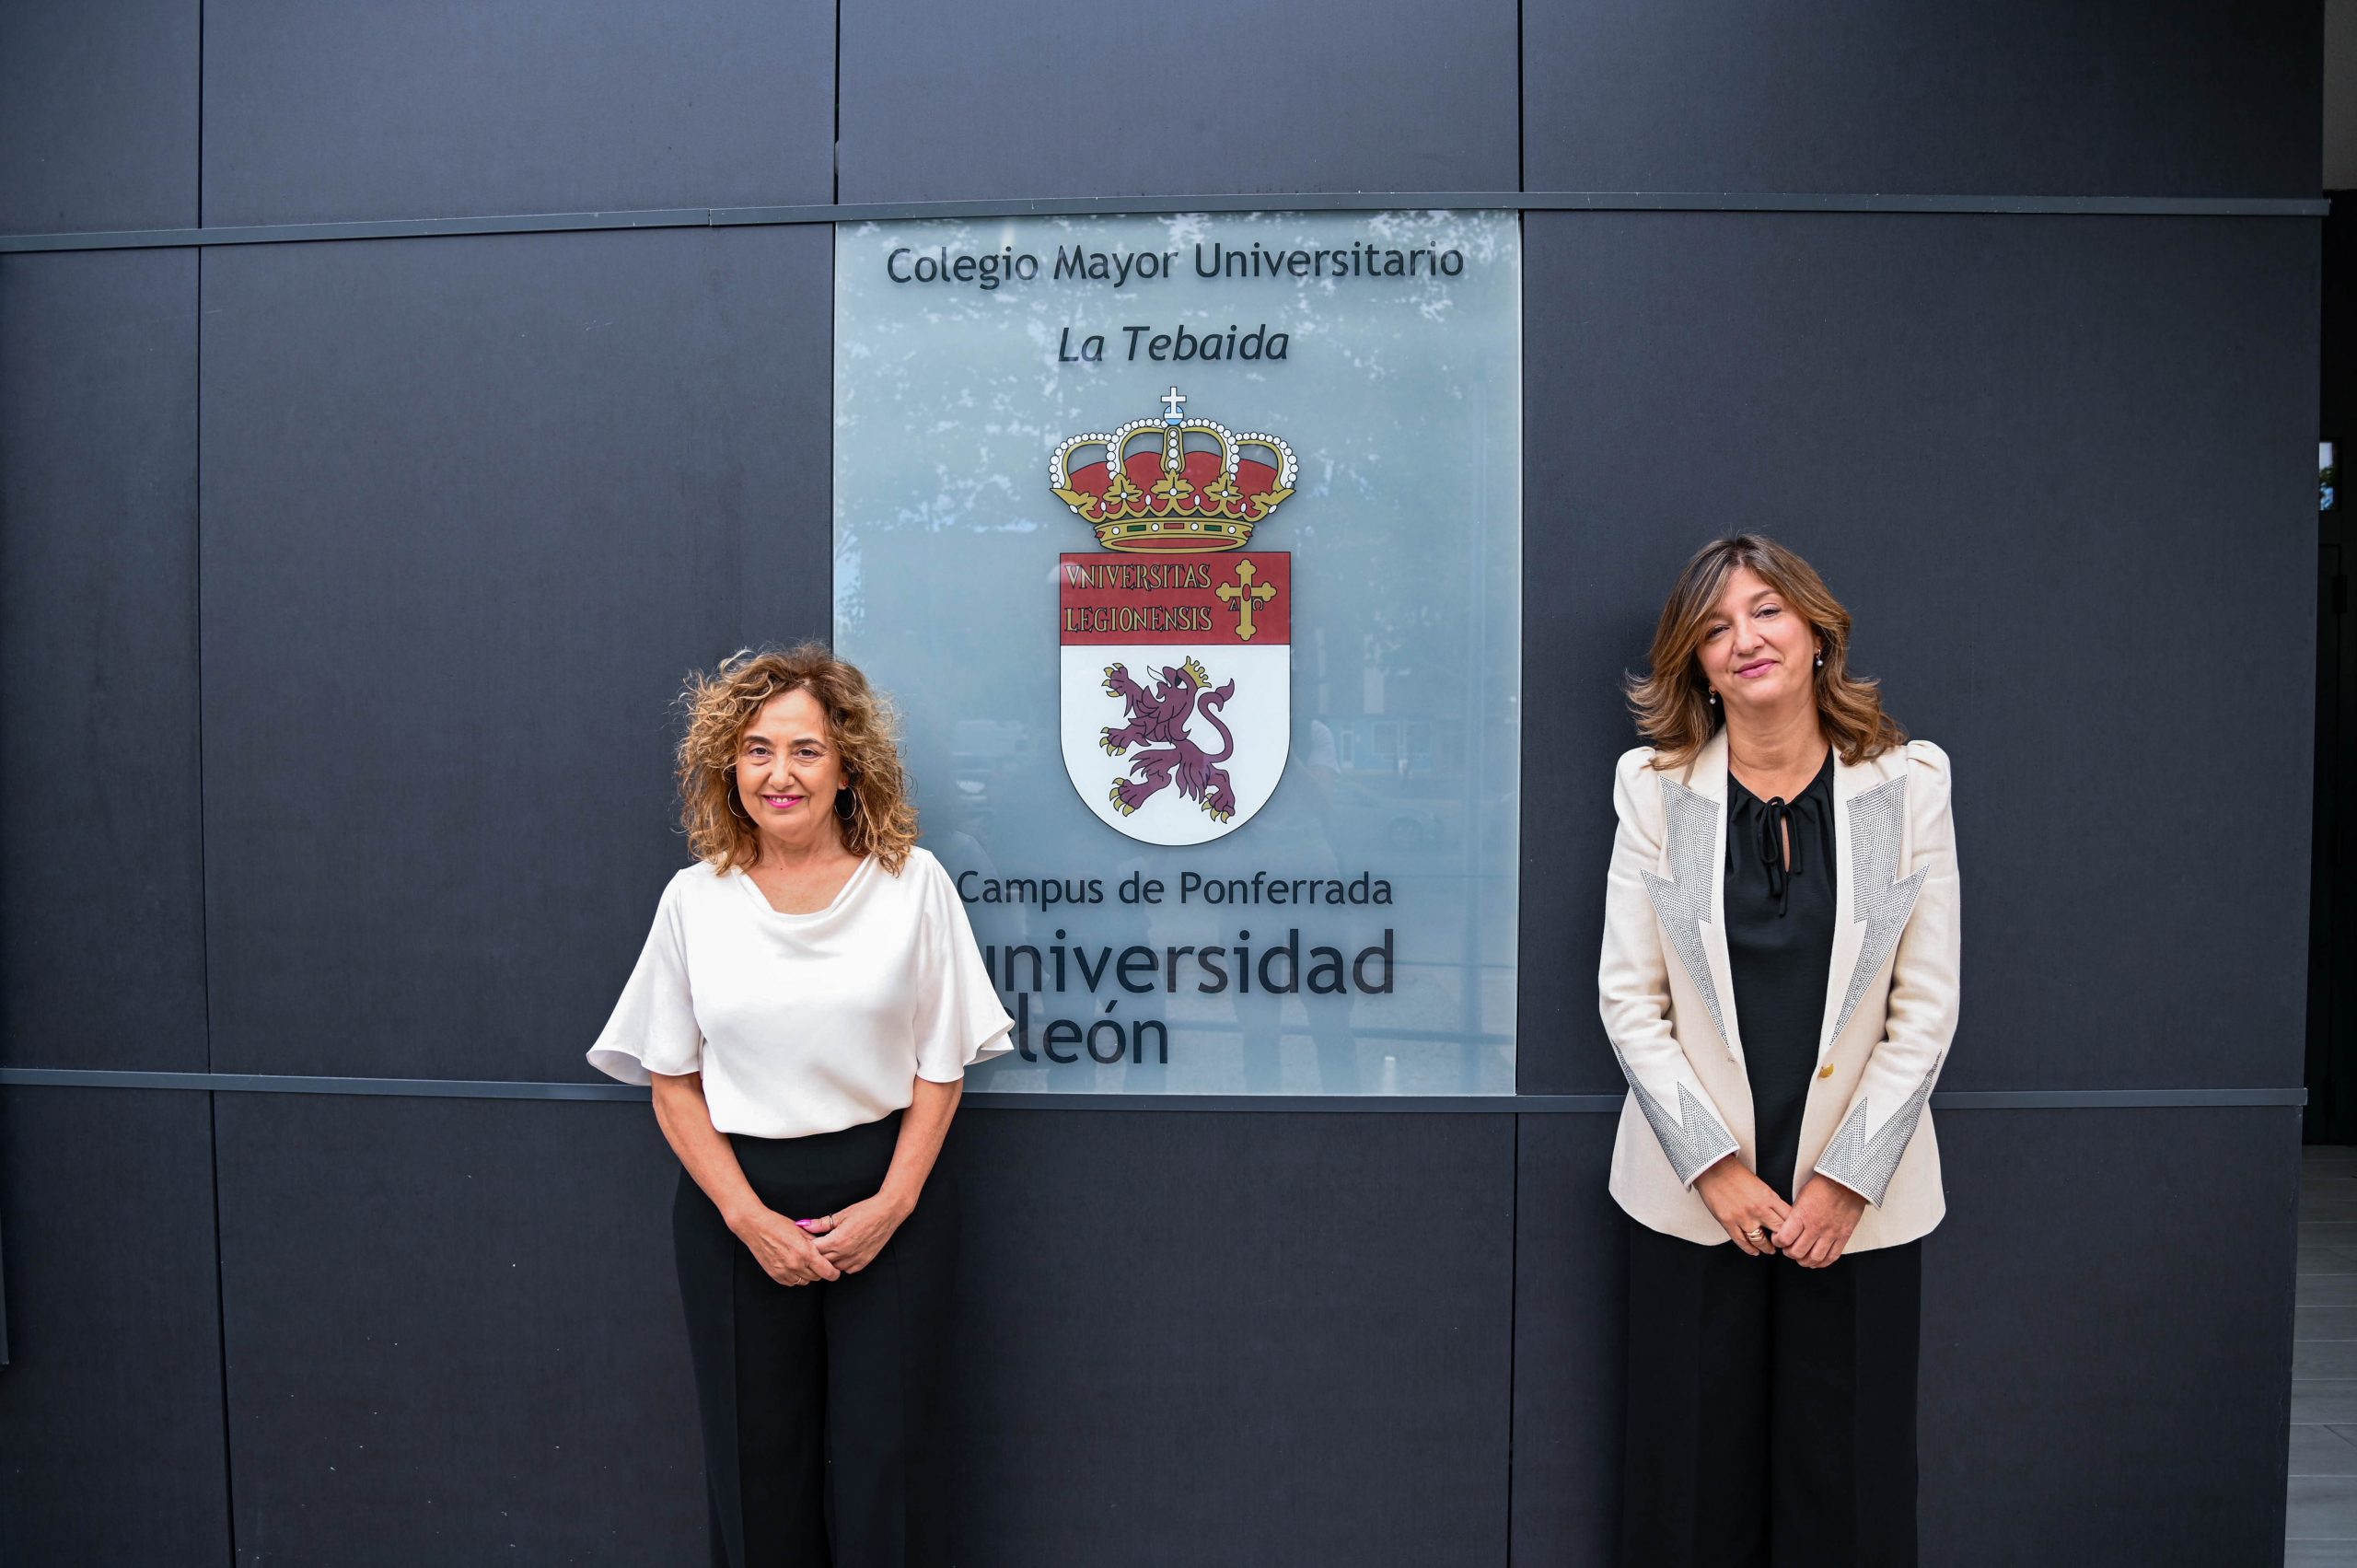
pixel 1275 202
pixel 1521 1105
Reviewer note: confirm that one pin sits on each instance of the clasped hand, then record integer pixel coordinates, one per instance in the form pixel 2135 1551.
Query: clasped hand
pixel 828 1246
pixel 1811 1230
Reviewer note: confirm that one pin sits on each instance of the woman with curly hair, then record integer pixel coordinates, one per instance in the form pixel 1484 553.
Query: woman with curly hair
pixel 1779 981
pixel 806 1008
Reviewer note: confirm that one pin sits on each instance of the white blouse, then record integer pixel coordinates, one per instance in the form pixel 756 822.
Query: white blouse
pixel 806 1022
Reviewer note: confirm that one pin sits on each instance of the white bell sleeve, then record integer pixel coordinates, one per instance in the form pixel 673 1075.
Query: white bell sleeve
pixel 1633 981
pixel 957 1018
pixel 1896 1084
pixel 654 1025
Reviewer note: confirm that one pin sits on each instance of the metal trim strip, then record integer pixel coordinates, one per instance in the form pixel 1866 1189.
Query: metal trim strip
pixel 1523 1104
pixel 1273 202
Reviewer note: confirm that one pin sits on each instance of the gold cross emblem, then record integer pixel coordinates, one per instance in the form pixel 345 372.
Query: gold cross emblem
pixel 1243 599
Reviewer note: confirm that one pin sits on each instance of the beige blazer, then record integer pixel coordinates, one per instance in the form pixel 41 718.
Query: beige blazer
pixel 1890 993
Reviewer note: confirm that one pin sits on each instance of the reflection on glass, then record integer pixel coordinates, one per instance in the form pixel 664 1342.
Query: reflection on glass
pixel 1357 934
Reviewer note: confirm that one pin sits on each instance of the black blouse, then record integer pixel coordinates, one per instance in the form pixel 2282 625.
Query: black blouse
pixel 1779 941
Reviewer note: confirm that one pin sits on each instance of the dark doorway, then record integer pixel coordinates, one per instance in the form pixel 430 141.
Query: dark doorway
pixel 2332 916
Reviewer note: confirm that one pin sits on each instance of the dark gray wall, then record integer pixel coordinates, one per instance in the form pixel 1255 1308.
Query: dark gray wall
pixel 455 106
pixel 1063 98
pixel 2038 1386
pixel 2014 447
pixel 1239 1338
pixel 111 1435
pixel 452 1333
pixel 101 925
pixel 474 508
pixel 2039 1349
pixel 342 586
pixel 2100 98
pixel 99 115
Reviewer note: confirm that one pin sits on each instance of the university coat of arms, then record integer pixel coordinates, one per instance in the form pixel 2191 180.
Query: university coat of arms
pixel 1177 642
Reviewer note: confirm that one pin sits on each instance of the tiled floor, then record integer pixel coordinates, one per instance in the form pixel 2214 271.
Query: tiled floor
pixel 2320 1518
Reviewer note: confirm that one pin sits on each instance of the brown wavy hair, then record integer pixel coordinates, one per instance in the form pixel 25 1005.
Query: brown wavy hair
pixel 1672 701
pixel 861 726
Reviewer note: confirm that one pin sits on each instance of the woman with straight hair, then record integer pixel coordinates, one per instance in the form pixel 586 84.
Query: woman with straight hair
pixel 1779 982
pixel 806 1008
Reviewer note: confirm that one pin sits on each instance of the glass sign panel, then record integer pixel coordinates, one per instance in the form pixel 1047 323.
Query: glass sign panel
pixel 1189 548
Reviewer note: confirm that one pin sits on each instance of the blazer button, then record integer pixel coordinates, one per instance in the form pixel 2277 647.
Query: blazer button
pixel 1826 1071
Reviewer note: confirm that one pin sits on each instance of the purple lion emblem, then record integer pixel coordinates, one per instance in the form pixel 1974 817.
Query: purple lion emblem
pixel 1158 722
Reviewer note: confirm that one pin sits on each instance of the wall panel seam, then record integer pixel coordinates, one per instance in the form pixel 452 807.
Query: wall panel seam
pixel 1513 1288
pixel 1526 1105
pixel 203 898
pixel 1359 200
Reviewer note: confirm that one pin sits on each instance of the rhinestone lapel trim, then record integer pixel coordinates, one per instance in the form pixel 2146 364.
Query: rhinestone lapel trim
pixel 1683 900
pixel 1694 1141
pixel 1866 1165
pixel 1877 824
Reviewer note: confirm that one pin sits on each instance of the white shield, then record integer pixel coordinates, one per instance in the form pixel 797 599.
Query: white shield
pixel 1178 707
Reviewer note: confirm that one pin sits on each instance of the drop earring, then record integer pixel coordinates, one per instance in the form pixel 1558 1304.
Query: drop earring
pixel 1714 697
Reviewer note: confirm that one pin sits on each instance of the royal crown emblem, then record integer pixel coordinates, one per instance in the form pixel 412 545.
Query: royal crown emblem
pixel 1175 484
pixel 1178 669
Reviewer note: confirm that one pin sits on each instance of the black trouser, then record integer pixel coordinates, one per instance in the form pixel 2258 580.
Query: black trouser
pixel 1772 1408
pixel 818 1400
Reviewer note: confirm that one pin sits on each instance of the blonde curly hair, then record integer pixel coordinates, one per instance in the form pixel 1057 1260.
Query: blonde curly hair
pixel 860 725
